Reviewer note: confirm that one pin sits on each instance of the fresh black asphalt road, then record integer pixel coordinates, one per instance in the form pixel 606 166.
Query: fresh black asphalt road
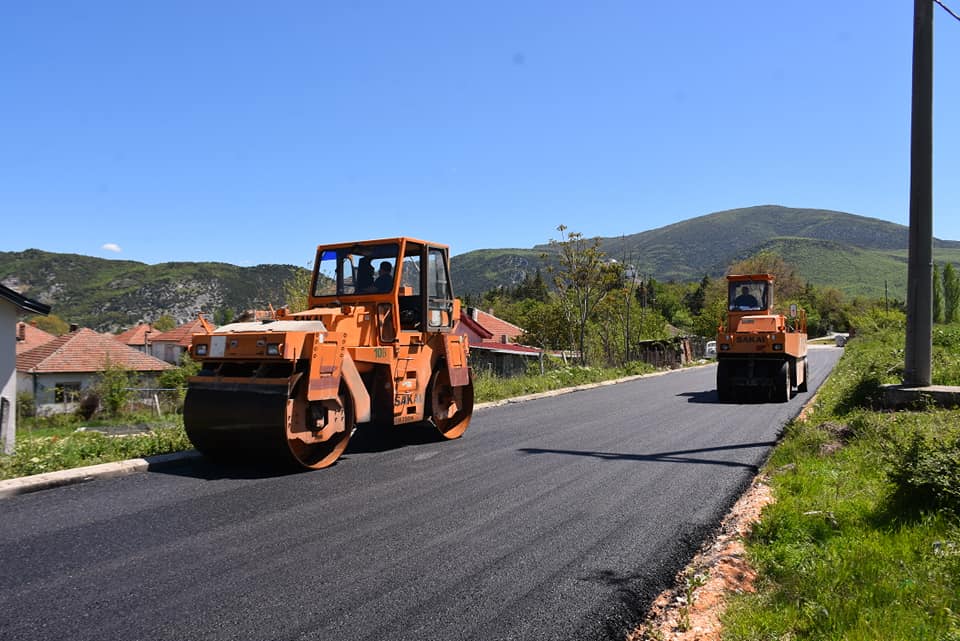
pixel 559 518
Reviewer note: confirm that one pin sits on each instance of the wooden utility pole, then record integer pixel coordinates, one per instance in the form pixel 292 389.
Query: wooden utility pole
pixel 918 348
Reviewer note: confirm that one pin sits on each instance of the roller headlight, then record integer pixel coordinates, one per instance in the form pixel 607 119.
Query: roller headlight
pixel 200 349
pixel 273 349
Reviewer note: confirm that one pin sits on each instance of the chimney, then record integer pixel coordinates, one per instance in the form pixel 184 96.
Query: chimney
pixel 21 331
pixel 504 339
pixel 74 327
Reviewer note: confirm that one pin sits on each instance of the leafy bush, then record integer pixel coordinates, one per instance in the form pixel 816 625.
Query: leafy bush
pixel 114 387
pixel 26 408
pixel 924 468
pixel 177 378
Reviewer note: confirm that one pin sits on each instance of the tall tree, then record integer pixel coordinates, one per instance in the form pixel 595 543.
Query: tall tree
pixel 583 279
pixel 951 293
pixel 787 284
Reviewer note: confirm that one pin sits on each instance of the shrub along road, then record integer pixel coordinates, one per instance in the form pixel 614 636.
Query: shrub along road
pixel 559 518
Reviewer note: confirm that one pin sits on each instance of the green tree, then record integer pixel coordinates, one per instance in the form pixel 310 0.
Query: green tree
pixel 50 323
pixel 223 316
pixel 787 285
pixel 951 293
pixel 695 299
pixel 164 323
pixel 296 290
pixel 583 279
pixel 177 378
pixel 714 309
pixel 544 323
pixel 937 295
pixel 114 387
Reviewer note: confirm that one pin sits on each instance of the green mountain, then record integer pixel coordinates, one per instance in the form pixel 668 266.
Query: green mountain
pixel 855 254
pixel 852 253
pixel 108 295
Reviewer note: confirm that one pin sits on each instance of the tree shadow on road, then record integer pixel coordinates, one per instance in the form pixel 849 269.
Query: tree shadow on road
pixel 677 456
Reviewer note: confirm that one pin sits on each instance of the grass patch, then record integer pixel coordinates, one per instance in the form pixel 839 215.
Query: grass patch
pixel 863 541
pixel 38 454
pixel 489 387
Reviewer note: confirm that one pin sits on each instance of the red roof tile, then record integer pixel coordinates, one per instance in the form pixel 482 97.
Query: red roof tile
pixel 184 334
pixel 29 337
pixel 496 326
pixel 137 335
pixel 85 351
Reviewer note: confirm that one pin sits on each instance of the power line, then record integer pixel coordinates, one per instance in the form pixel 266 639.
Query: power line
pixel 947 9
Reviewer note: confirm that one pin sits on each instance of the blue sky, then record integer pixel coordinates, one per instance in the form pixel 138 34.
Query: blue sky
pixel 251 132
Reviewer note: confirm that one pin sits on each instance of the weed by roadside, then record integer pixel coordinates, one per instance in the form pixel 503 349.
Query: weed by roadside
pixel 489 387
pixel 863 541
pixel 37 454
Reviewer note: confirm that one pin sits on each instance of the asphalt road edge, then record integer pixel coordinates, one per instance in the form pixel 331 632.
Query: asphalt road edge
pixel 48 480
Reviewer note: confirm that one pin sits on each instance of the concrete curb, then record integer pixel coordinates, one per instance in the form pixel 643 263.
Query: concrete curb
pixel 47 480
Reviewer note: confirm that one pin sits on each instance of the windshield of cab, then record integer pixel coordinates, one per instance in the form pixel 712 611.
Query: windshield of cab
pixel 747 295
pixel 355 270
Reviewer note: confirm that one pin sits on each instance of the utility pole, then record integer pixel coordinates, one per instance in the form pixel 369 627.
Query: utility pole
pixel 918 349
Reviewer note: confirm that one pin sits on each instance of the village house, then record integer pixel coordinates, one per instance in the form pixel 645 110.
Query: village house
pixel 493 343
pixel 12 304
pixel 58 373
pixel 138 337
pixel 170 346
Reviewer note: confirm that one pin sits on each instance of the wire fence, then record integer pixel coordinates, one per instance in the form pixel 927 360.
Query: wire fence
pixel 159 400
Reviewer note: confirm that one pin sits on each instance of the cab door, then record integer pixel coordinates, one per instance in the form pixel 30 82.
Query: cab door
pixel 439 308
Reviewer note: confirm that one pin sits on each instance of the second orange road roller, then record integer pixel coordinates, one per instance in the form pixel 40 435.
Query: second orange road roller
pixel 376 346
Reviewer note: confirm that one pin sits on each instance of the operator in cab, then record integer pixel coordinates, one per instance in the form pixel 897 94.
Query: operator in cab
pixel 746 300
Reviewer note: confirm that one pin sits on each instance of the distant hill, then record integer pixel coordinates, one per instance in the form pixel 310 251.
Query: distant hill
pixel 850 252
pixel 855 254
pixel 108 295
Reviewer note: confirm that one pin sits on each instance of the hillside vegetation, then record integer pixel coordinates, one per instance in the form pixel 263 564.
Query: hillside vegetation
pixel 107 295
pixel 854 254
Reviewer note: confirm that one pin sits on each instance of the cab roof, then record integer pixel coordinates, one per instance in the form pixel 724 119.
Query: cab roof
pixel 734 278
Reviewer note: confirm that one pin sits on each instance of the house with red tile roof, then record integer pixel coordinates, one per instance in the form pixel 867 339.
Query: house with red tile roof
pixel 12 304
pixel 170 346
pixel 138 337
pixel 493 343
pixel 59 372
pixel 30 336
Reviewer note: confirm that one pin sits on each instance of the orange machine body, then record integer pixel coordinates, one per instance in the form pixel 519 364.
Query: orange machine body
pixel 378 351
pixel 757 348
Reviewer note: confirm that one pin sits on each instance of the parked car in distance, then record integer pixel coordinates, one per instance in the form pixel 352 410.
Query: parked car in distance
pixel 710 351
pixel 841 339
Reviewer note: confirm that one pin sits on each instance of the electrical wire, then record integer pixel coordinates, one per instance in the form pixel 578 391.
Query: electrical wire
pixel 947 9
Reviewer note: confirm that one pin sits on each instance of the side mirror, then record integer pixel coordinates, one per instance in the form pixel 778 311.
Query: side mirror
pixel 793 310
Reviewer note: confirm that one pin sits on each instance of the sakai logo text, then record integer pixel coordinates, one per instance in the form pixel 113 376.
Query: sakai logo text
pixel 751 339
pixel 407 399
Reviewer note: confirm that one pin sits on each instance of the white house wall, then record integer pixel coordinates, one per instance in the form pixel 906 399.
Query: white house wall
pixel 8 365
